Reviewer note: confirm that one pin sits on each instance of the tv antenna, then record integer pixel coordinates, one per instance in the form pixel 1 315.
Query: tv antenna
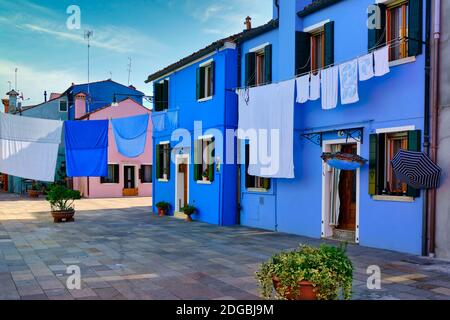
pixel 15 76
pixel 129 69
pixel 88 34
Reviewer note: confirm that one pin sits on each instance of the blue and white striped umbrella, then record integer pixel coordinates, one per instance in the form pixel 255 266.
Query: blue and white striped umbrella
pixel 416 169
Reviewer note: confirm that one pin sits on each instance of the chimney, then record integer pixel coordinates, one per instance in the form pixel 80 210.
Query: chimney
pixel 80 105
pixel 248 23
pixel 12 104
pixel 6 104
pixel 45 96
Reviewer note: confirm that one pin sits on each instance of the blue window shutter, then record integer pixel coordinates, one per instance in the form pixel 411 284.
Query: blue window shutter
pixel 329 43
pixel 268 63
pixel 415 14
pixel 302 52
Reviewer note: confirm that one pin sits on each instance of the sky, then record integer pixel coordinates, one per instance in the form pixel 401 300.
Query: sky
pixel 49 56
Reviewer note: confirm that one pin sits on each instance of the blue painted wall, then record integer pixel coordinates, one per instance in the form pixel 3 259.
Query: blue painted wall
pixel 102 94
pixel 295 206
pixel 217 202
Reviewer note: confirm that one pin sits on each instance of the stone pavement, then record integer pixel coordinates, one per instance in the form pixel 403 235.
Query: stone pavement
pixel 126 253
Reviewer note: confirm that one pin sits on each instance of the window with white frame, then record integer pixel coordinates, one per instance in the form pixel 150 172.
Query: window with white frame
pixel 205 80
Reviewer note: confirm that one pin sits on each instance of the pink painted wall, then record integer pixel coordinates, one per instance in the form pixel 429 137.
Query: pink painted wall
pixel 126 108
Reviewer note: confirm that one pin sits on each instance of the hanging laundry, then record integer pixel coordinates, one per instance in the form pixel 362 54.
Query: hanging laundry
pixel 131 135
pixel 314 93
pixel 158 121
pixel 329 83
pixel 381 57
pixel 86 148
pixel 365 64
pixel 348 73
pixel 268 113
pixel 303 89
pixel 29 147
pixel 244 108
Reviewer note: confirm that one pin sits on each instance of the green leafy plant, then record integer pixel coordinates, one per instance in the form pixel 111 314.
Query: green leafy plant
pixel 61 198
pixel 327 268
pixel 205 173
pixel 36 186
pixel 163 205
pixel 188 210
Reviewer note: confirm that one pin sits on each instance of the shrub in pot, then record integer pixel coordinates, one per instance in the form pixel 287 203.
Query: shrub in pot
pixel 163 207
pixel 308 273
pixel 188 210
pixel 61 202
pixel 35 190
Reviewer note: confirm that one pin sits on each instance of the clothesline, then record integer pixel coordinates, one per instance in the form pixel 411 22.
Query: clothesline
pixel 397 42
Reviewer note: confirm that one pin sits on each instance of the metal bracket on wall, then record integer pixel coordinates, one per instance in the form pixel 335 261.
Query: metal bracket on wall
pixel 316 138
pixel 356 134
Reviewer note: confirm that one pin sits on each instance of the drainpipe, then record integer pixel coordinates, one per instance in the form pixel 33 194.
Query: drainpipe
pixel 434 123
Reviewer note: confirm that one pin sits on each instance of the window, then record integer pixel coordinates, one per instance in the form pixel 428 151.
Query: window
pixel 314 48
pixel 113 174
pixel 62 106
pixel 146 174
pixel 397 29
pixel 204 150
pixel 205 81
pixel 317 50
pixel 163 161
pixel 383 148
pixel 258 66
pixel 161 93
pixel 252 182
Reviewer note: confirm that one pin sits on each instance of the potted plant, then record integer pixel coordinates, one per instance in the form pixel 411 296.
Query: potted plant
pixel 188 210
pixel 35 190
pixel 205 175
pixel 307 273
pixel 61 202
pixel 163 207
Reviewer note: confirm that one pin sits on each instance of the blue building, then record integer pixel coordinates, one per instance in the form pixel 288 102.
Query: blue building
pixel 193 109
pixel 375 210
pixel 62 107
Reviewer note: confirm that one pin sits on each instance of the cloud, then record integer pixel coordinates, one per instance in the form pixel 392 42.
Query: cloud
pixel 33 81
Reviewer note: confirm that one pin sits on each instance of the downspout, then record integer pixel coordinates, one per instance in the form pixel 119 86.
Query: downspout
pixel 277 4
pixel 426 144
pixel 434 122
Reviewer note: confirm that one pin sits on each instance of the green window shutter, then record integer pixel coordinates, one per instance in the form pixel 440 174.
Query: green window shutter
pixel 381 163
pixel 213 77
pixel 197 164
pixel 141 174
pixel 377 36
pixel 169 151
pixel 267 183
pixel 329 43
pixel 249 180
pixel 211 149
pixel 165 95
pixel 302 52
pixel 158 93
pixel 415 16
pixel 414 144
pixel 116 173
pixel 158 162
pixel 268 63
pixel 373 155
pixel 250 69
pixel 200 83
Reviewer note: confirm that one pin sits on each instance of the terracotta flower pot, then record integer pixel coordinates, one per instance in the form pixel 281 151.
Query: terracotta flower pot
pixel 34 194
pixel 63 216
pixel 189 218
pixel 161 212
pixel 306 290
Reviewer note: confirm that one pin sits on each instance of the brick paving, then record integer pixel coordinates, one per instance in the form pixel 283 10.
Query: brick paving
pixel 125 253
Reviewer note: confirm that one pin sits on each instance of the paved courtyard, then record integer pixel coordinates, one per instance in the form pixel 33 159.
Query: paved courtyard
pixel 126 253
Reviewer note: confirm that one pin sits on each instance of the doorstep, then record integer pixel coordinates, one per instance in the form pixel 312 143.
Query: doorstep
pixel 179 215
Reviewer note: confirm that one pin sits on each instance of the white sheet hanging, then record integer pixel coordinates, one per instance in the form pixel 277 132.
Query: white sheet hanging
pixel 365 66
pixel 381 58
pixel 348 74
pixel 329 82
pixel 29 147
pixel 303 89
pixel 314 93
pixel 270 113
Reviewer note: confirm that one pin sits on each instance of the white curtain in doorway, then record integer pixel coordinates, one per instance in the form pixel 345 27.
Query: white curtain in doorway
pixel 335 200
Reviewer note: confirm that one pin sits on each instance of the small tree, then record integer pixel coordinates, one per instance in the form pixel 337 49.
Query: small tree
pixel 61 198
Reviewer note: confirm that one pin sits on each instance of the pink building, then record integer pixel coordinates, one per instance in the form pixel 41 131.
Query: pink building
pixel 126 176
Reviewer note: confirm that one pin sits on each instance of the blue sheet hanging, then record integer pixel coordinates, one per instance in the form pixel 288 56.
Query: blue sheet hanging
pixel 131 135
pixel 86 148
